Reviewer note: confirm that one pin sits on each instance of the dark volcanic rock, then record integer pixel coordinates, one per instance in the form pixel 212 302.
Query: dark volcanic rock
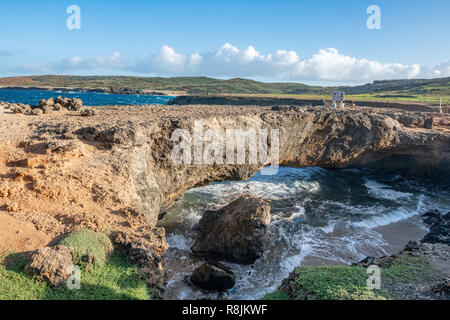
pixel 366 262
pixel 238 232
pixel 429 123
pixel 442 288
pixel 213 276
pixel 431 217
pixel 412 120
pixel 439 228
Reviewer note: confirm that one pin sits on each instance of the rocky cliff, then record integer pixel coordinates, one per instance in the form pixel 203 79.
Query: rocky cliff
pixel 121 156
pixel 114 169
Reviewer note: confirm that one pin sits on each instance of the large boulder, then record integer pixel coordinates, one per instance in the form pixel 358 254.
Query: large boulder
pixel 57 107
pixel 411 120
pixel 51 264
pixel 46 102
pixel 20 108
pixel 429 122
pixel 62 101
pixel 75 104
pixel 37 111
pixel 238 232
pixel 213 276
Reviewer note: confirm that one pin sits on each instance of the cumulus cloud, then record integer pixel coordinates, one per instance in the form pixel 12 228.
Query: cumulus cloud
pixel 231 61
pixel 329 64
pixel 326 65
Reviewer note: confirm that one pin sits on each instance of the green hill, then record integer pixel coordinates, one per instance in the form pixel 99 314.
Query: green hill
pixel 426 90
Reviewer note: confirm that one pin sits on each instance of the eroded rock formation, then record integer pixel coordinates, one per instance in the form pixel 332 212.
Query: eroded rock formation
pixel 62 172
pixel 123 155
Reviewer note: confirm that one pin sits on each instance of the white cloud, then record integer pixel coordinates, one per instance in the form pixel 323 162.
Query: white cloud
pixel 114 60
pixel 283 58
pixel 195 59
pixel 441 70
pixel 230 61
pixel 330 65
pixel 229 53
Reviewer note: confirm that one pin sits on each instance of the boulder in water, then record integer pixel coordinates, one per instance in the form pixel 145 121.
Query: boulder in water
pixel 213 276
pixel 238 232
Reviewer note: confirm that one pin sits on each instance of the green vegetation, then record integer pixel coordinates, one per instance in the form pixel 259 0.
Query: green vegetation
pixel 349 282
pixel 115 280
pixel 333 283
pixel 87 242
pixel 408 269
pixel 415 90
pixel 277 295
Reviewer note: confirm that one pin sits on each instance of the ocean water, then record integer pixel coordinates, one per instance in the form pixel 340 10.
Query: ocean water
pixel 318 217
pixel 32 97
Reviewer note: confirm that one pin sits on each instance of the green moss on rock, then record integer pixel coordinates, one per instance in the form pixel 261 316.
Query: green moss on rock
pixel 398 275
pixel 117 279
pixel 87 245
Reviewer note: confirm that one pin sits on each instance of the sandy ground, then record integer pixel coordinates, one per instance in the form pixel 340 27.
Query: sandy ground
pixel 17 236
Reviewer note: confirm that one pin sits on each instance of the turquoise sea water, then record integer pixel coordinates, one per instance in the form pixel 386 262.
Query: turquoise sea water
pixel 32 97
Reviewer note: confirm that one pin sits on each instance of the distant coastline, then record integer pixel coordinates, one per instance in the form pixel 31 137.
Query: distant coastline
pixel 96 90
pixel 429 91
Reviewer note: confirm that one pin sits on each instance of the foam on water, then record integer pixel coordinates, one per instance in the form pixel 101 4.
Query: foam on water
pixel 382 191
pixel 316 214
pixel 396 215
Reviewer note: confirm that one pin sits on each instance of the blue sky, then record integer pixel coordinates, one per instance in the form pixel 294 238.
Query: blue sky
pixel 160 38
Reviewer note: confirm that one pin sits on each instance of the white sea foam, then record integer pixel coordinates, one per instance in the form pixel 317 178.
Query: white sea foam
pixel 297 233
pixel 180 242
pixel 382 191
pixel 289 263
pixel 329 228
pixel 395 216
pixel 288 182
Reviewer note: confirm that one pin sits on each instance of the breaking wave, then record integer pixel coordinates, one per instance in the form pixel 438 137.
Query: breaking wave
pixel 318 217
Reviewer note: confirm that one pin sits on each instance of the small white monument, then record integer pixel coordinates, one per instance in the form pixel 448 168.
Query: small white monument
pixel 338 97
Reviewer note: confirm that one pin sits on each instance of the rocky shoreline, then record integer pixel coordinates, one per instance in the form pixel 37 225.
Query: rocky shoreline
pixel 61 171
pixel 420 271
pixel 270 101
